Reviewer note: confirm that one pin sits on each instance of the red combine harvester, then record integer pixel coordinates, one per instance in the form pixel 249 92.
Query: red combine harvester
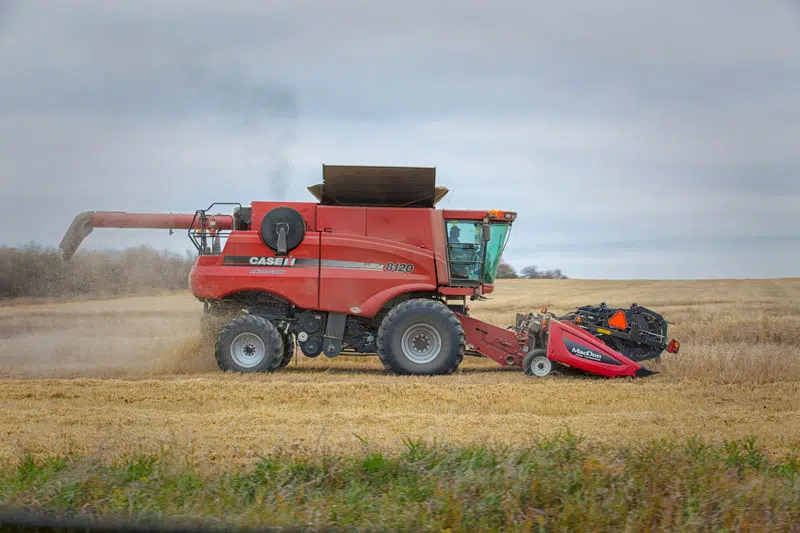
pixel 372 267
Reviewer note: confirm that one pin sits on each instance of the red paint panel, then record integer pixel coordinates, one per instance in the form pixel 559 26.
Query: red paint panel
pixel 307 209
pixel 496 343
pixel 563 334
pixel 463 214
pixel 456 291
pixel 348 220
pixel 439 236
pixel 401 225
pixel 354 275
pixel 245 243
pixel 210 278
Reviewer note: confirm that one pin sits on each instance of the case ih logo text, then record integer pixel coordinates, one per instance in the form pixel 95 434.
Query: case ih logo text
pixel 273 261
pixel 586 354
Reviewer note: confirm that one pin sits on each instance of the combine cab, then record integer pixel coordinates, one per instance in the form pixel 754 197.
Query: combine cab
pixel 373 267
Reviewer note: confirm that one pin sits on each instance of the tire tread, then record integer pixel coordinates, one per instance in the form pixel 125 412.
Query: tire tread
pixel 289 348
pixel 273 342
pixel 388 324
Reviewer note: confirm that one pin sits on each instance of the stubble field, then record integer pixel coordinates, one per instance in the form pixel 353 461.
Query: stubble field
pixel 116 409
pixel 129 376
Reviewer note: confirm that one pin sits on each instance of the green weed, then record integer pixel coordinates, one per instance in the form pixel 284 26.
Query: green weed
pixel 564 483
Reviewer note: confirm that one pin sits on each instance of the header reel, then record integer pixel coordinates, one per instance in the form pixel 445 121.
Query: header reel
pixel 638 333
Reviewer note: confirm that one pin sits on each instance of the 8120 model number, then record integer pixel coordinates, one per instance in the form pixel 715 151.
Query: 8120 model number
pixel 399 267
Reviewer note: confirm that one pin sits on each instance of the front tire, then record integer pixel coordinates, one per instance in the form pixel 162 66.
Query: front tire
pixel 421 337
pixel 537 364
pixel 247 344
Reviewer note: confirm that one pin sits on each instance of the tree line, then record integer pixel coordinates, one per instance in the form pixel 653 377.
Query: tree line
pixel 507 271
pixel 41 273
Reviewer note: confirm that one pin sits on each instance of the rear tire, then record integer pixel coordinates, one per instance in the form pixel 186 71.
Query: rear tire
pixel 421 337
pixel 249 343
pixel 537 364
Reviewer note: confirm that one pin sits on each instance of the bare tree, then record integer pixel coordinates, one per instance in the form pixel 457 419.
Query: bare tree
pixel 530 272
pixel 506 271
pixel 533 272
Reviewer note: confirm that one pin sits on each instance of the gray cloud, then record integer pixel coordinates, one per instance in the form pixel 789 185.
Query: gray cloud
pixel 606 123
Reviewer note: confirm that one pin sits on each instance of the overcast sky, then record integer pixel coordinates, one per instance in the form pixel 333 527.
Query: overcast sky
pixel 636 139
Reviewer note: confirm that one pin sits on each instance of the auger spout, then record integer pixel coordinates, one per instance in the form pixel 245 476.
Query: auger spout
pixel 83 224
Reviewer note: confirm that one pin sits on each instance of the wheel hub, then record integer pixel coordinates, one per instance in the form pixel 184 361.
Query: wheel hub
pixel 421 343
pixel 248 350
pixel 541 366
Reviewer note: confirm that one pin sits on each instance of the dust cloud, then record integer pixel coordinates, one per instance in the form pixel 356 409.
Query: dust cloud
pixel 135 337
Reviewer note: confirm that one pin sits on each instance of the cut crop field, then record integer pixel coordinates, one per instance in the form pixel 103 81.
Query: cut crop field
pixel 131 376
pixel 116 408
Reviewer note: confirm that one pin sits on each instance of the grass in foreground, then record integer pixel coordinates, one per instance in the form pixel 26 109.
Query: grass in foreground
pixel 561 483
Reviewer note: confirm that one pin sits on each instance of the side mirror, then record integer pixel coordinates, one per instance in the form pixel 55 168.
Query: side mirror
pixel 487 232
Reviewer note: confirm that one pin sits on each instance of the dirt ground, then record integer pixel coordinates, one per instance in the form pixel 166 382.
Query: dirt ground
pixel 119 376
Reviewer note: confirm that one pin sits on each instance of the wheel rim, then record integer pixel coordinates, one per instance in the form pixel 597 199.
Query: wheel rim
pixel 248 350
pixel 421 343
pixel 541 366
